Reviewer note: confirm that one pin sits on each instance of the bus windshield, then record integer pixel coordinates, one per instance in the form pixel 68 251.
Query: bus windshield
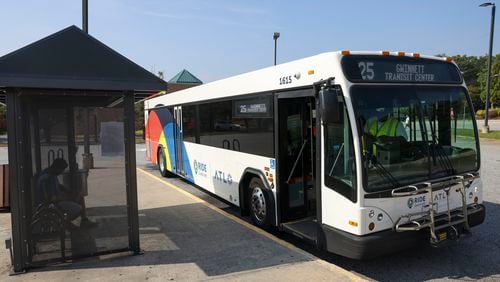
pixel 411 134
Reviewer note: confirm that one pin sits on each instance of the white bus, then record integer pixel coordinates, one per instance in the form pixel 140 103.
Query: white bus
pixel 360 153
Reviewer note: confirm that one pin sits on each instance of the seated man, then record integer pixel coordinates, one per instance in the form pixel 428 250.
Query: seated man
pixel 50 191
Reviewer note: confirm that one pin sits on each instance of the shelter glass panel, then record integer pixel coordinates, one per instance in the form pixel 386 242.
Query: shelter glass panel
pixel 78 182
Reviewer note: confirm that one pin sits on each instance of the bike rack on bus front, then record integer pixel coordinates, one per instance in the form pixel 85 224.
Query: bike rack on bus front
pixel 429 219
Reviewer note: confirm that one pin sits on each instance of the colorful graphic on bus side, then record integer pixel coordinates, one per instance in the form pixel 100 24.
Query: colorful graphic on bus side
pixel 160 129
pixel 160 132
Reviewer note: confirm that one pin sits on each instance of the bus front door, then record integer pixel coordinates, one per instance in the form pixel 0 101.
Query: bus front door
pixel 296 157
pixel 178 139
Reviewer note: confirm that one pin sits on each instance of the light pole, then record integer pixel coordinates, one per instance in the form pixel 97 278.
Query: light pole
pixel 87 157
pixel 486 128
pixel 276 35
pixel 85 16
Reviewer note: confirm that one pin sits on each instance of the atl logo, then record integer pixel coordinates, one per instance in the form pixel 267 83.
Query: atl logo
pixel 223 177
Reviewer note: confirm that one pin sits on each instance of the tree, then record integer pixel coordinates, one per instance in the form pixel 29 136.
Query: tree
pixel 139 116
pixel 494 83
pixel 471 66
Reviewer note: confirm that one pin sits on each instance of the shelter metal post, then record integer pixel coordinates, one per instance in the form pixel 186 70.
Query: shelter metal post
pixel 16 184
pixel 131 177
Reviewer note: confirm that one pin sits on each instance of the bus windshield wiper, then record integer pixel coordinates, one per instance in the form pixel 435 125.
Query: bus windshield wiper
pixel 381 170
pixel 438 151
pixel 443 158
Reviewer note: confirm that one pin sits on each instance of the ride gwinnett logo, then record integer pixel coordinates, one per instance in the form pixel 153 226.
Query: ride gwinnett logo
pixel 418 201
pixel 200 168
pixel 410 203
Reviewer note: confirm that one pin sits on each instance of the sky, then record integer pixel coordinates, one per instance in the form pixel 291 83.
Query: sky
pixel 215 39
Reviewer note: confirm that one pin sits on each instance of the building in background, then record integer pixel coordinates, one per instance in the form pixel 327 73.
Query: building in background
pixel 184 79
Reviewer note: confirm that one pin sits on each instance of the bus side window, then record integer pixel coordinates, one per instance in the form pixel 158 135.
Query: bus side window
pixel 189 123
pixel 222 126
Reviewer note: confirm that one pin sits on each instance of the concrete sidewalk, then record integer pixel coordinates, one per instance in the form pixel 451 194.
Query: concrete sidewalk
pixel 185 238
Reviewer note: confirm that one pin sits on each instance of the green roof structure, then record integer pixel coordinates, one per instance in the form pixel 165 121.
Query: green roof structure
pixel 185 77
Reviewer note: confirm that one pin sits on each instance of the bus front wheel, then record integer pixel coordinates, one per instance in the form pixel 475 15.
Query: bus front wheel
pixel 259 204
pixel 162 163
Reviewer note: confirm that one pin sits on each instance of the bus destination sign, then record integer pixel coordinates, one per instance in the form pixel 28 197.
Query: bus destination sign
pixel 407 72
pixel 253 107
pixel 399 69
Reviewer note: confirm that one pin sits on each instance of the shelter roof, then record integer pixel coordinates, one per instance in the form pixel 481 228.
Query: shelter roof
pixel 74 60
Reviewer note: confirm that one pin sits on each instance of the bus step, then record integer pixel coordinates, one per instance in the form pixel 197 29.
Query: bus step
pixel 306 229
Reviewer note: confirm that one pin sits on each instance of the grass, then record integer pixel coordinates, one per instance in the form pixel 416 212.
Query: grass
pixel 139 137
pixel 490 135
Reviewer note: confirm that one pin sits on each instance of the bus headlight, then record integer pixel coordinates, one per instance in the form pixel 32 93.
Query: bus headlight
pixel 375 219
pixel 371 213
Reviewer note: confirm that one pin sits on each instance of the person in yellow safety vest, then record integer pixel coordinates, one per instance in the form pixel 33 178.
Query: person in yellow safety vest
pixel 391 127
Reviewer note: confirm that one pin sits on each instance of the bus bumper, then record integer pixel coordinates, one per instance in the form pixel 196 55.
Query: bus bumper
pixel 380 243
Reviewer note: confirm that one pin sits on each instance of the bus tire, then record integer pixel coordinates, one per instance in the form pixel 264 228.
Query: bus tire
pixel 260 204
pixel 162 163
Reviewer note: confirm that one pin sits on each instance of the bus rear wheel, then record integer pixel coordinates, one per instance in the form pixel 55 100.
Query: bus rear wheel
pixel 259 204
pixel 162 163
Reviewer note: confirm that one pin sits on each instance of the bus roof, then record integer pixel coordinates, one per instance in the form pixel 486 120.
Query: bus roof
pixel 294 74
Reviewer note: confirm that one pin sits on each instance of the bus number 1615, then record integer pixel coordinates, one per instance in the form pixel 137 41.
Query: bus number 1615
pixel 285 80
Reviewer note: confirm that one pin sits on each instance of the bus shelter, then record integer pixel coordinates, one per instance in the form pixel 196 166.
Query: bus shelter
pixel 71 137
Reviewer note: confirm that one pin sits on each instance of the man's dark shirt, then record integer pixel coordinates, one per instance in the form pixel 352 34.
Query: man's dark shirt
pixel 47 188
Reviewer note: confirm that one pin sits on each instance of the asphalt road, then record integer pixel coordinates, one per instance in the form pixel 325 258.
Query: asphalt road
pixel 474 258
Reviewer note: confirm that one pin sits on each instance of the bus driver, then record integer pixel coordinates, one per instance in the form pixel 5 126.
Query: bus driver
pixel 378 129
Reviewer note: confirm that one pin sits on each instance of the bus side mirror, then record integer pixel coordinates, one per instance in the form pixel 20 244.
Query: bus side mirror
pixel 329 105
